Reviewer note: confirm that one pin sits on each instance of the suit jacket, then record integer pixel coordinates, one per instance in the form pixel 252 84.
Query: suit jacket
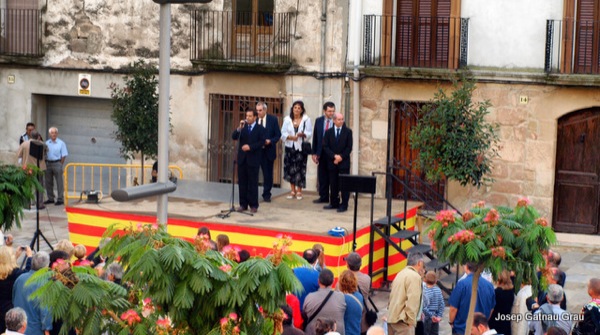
pixel 317 141
pixel 255 139
pixel 27 159
pixel 343 147
pixel 273 133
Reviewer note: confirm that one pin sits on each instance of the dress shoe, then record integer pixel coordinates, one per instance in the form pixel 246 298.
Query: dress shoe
pixel 253 210
pixel 241 209
pixel 320 201
pixel 342 209
pixel 267 199
pixel 41 207
pixel 330 207
pixel 47 202
pixel 58 203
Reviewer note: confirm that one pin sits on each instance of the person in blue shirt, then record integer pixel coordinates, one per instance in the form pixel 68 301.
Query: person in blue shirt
pixel 39 319
pixel 461 297
pixel 55 159
pixel 308 276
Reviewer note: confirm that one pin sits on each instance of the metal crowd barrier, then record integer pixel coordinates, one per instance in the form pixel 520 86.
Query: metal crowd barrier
pixel 83 178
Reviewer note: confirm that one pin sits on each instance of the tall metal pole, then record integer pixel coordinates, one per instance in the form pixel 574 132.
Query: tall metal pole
pixel 164 73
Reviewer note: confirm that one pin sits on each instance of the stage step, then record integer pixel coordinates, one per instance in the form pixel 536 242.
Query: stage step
pixel 422 248
pixel 405 234
pixel 435 264
pixel 384 220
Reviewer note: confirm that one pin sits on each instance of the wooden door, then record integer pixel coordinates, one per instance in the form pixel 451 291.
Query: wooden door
pixel 253 25
pixel 406 115
pixel 577 186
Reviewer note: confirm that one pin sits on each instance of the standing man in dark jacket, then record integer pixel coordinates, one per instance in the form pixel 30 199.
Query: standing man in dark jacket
pixel 322 124
pixel 337 146
pixel 251 138
pixel 269 154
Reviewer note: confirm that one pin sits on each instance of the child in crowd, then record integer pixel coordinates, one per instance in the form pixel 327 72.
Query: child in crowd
pixel 591 311
pixel 79 253
pixel 326 327
pixel 222 241
pixel 434 310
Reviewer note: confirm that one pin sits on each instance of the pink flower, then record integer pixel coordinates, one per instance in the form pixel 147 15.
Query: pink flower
pixel 542 222
pixel 131 317
pixel 155 226
pixel 225 268
pixel 233 316
pixel 140 227
pixel 147 301
pixel 446 216
pixel 232 252
pixel 480 204
pixel 224 321
pixel 163 322
pixel 492 216
pixel 58 263
pixel 523 202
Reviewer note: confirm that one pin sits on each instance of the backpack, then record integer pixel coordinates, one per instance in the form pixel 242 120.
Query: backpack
pixel 547 310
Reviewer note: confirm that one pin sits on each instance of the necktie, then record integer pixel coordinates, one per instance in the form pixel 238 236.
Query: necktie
pixel 337 133
pixel 260 122
pixel 249 129
pixel 327 125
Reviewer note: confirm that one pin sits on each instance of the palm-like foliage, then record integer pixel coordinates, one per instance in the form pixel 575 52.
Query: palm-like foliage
pixel 502 238
pixel 174 287
pixel 17 190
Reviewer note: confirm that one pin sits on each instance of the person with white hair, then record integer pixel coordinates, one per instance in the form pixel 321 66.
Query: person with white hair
pixel 55 160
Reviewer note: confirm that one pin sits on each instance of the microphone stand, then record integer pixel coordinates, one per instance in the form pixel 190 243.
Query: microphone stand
pixel 37 151
pixel 227 212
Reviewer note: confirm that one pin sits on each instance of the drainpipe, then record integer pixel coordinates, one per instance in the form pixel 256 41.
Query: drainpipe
pixel 356 88
pixel 323 48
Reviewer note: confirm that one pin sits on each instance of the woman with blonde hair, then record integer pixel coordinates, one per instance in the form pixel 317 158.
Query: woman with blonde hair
pixel 66 246
pixel 354 302
pixel 8 274
pixel 320 264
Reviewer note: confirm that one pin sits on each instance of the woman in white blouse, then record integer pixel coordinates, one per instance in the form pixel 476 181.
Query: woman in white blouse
pixel 296 128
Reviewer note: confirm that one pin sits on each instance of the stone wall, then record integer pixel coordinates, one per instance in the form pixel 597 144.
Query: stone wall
pixel 526 165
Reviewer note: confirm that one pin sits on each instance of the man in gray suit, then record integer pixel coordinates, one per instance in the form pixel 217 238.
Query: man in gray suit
pixel 334 308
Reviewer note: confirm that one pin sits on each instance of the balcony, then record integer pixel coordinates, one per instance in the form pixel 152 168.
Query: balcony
pixel 239 41
pixel 415 42
pixel 572 47
pixel 20 35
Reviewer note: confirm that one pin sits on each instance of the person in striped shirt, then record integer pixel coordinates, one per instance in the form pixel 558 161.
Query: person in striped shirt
pixel 433 311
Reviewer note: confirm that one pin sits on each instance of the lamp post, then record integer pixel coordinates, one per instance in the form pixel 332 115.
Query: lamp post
pixel 164 73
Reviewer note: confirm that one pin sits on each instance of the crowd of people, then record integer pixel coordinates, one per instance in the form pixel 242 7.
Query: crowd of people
pixel 416 304
pixel 19 312
pixel 324 306
pixel 328 143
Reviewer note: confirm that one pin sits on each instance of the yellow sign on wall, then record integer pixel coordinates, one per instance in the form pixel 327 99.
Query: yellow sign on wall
pixel 85 84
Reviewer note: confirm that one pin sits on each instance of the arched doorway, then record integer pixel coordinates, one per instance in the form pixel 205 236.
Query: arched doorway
pixel 577 176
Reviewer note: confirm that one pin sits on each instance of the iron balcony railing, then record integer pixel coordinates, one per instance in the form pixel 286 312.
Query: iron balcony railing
pixel 20 32
pixel 407 41
pixel 572 46
pixel 237 37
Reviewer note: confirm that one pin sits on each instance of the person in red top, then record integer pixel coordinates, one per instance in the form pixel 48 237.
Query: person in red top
pixel 294 304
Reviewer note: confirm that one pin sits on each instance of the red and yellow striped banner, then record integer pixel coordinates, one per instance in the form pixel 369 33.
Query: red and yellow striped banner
pixel 86 227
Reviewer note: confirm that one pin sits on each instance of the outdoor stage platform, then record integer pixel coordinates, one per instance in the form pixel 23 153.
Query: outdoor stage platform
pixel 196 204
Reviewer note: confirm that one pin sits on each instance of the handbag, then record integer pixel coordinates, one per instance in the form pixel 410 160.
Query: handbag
pixel 370 315
pixel 307 319
pixel 306 146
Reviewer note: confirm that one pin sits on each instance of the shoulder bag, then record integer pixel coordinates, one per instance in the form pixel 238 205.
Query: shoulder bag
pixel 306 146
pixel 307 319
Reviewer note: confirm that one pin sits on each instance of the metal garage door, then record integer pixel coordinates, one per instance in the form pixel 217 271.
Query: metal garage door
pixel 84 124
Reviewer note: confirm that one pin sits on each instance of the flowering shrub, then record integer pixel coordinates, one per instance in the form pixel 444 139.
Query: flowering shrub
pixel 17 190
pixel 514 239
pixel 174 287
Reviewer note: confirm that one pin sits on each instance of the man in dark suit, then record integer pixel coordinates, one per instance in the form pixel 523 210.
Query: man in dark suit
pixel 269 154
pixel 322 124
pixel 337 146
pixel 251 138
